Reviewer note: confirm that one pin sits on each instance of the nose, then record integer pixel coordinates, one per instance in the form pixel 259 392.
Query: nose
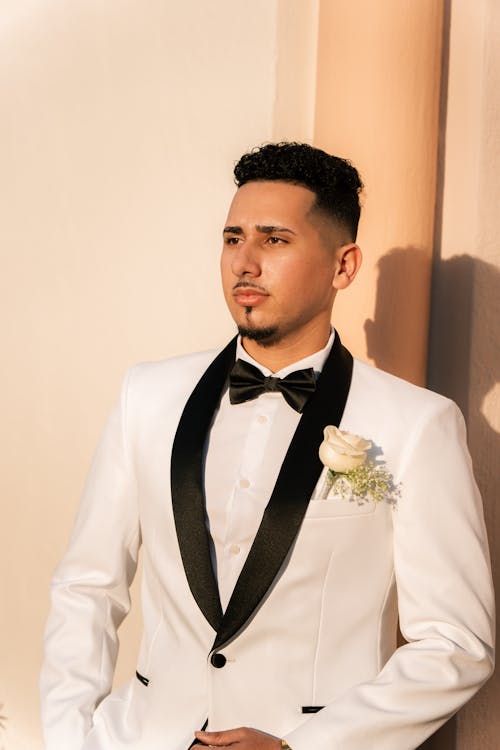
pixel 245 259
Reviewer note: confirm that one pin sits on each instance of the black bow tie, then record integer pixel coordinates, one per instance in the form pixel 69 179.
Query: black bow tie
pixel 247 382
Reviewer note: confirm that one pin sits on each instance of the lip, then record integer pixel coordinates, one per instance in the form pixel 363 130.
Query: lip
pixel 249 297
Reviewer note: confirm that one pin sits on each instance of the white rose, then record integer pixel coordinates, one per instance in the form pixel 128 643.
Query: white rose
pixel 340 451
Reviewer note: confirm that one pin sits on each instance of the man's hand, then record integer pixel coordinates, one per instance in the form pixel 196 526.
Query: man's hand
pixel 242 739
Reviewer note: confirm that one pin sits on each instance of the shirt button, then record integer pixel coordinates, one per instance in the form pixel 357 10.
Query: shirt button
pixel 261 419
pixel 234 549
pixel 244 483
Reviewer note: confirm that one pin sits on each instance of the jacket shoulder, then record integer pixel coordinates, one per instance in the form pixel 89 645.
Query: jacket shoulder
pixel 391 393
pixel 182 363
pixel 169 379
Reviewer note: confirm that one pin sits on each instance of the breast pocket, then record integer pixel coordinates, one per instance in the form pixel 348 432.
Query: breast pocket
pixel 337 508
pixel 325 503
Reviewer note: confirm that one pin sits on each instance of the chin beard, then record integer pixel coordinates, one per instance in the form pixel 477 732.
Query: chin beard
pixel 263 336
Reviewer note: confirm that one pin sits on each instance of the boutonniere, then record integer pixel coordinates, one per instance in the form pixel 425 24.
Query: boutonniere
pixel 350 474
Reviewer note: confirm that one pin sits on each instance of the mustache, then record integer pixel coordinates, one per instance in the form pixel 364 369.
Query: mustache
pixel 249 285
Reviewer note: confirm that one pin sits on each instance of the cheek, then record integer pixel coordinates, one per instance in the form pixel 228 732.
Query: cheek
pixel 319 276
pixel 226 274
pixel 299 280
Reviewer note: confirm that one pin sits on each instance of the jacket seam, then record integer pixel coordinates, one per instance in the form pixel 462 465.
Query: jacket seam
pixel 390 582
pixel 318 632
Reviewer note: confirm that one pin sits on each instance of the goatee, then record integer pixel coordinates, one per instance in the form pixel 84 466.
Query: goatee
pixel 265 336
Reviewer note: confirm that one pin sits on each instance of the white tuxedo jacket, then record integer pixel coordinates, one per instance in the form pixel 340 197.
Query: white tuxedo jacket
pixel 306 649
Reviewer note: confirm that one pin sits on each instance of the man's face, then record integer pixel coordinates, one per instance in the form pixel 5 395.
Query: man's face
pixel 277 267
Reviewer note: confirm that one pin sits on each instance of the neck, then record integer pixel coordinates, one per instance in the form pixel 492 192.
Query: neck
pixel 291 348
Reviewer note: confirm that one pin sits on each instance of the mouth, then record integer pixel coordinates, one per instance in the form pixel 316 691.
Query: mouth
pixel 249 296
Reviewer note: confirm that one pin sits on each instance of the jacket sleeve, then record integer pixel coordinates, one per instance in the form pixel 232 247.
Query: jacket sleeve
pixel 445 601
pixel 90 591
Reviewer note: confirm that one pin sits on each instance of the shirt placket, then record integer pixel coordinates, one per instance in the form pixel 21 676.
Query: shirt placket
pixel 251 489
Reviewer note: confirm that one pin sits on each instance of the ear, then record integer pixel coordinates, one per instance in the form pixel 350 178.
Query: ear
pixel 349 259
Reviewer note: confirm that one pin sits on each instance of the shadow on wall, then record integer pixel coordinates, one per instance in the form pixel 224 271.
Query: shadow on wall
pixel 396 338
pixel 464 344
pixel 463 364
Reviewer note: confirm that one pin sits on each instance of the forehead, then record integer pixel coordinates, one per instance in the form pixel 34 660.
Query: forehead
pixel 270 203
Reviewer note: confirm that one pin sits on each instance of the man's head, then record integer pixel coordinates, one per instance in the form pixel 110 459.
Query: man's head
pixel 289 243
pixel 334 181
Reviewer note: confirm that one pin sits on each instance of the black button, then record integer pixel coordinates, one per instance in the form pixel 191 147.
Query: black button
pixel 218 660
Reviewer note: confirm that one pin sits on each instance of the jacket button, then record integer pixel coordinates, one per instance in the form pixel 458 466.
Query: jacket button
pixel 218 660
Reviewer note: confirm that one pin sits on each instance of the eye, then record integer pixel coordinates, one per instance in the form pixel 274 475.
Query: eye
pixel 231 240
pixel 275 240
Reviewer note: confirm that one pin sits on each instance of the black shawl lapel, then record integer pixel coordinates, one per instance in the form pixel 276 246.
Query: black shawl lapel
pixel 187 484
pixel 293 489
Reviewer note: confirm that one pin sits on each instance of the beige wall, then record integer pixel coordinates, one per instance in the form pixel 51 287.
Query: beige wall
pixel 379 70
pixel 464 355
pixel 119 124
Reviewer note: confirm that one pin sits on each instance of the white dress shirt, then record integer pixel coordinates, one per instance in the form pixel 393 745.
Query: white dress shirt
pixel 244 452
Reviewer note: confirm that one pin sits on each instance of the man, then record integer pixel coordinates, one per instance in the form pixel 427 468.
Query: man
pixel 272 584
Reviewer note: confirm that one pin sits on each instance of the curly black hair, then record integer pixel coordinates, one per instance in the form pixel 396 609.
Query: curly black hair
pixel 335 181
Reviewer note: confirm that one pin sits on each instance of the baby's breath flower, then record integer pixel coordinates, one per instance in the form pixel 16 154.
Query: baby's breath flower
pixel 369 483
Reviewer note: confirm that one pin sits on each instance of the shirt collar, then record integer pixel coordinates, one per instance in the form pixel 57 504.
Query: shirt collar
pixel 316 360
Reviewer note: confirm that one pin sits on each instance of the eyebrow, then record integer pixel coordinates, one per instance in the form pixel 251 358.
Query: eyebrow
pixel 263 228
pixel 232 230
